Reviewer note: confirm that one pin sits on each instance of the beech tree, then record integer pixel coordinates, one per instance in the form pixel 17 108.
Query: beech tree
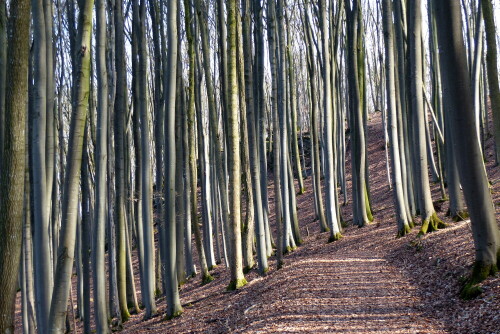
pixel 13 159
pixel 459 108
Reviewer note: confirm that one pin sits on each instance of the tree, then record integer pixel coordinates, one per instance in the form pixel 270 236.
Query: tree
pixel 12 165
pixel 459 108
pixel 430 221
pixel 492 67
pixel 101 310
pixel 403 221
pixel 174 307
pixel 64 268
pixel 119 147
pixel 235 260
pixel 331 184
pixel 147 185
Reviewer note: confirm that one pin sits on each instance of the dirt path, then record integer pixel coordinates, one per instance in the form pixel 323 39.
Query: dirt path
pixel 367 282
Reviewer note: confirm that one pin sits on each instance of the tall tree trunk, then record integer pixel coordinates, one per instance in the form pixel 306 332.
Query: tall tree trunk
pixel 235 260
pixel 71 186
pixel 252 140
pixel 492 67
pixel 99 240
pixel 260 116
pixel 278 202
pixel 119 135
pixel 191 113
pixel 430 221
pixel 12 165
pixel 331 186
pixel 147 185
pixel 174 307
pixel 403 220
pixel 43 266
pixel 316 172
pixel 468 153
pixel 3 73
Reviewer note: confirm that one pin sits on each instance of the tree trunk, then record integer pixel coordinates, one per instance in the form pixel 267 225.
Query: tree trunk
pixel 99 240
pixel 331 186
pixel 492 67
pixel 71 186
pixel 12 165
pixel 430 221
pixel 468 153
pixel 174 307
pixel 235 260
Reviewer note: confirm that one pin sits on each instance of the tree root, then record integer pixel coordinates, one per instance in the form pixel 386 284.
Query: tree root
pixel 431 224
pixel 236 284
pixel 335 237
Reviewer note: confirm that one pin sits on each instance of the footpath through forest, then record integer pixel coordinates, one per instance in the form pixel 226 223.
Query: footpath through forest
pixel 367 282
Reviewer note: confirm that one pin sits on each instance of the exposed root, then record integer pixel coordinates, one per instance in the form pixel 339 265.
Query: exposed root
pixel 480 272
pixel 404 230
pixel 431 224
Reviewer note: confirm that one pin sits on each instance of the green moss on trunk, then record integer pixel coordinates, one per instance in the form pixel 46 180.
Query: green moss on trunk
pixel 207 279
pixel 431 224
pixel 404 230
pixel 480 272
pixel 335 237
pixel 174 315
pixel 236 284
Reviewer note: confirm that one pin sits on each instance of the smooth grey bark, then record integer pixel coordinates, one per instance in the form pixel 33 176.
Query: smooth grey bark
pixel 283 100
pixel 466 145
pixel 41 242
pixel 174 307
pixel 278 202
pixel 430 221
pixel 71 186
pixel 214 119
pixel 99 237
pixel 204 156
pixel 252 140
pixel 119 148
pixel 361 207
pixel 159 119
pixel 315 157
pixel 237 279
pixel 492 68
pixel 182 214
pixel 85 229
pixel 247 210
pixel 403 221
pixel 12 166
pixel 331 186
pixel 191 114
pixel 260 115
pixel 148 291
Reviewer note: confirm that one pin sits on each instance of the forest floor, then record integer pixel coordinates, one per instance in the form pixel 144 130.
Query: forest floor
pixel 367 282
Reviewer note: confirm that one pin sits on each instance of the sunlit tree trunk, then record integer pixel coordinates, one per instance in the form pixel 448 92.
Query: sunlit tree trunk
pixel 174 307
pixel 430 221
pixel 120 107
pixel 66 250
pixel 331 186
pixel 252 140
pixel 234 164
pixel 99 240
pixel 12 165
